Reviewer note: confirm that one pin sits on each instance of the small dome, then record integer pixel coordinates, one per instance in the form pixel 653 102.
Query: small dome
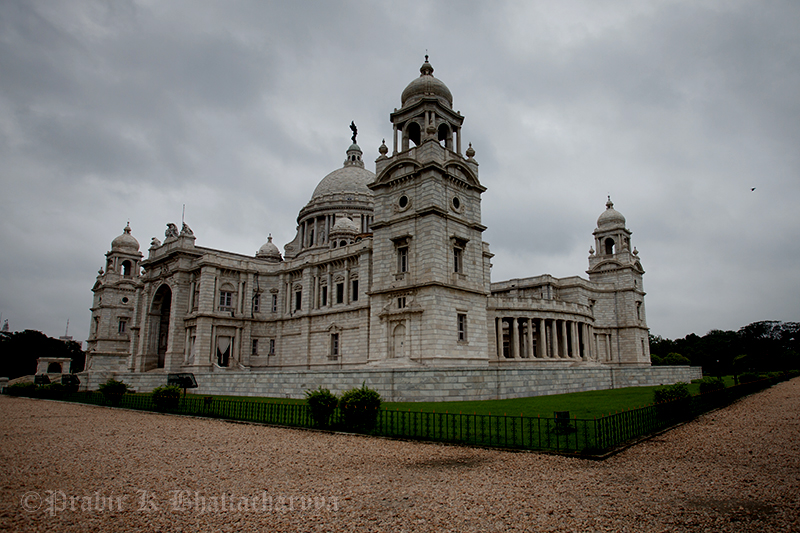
pixel 269 251
pixel 426 85
pixel 125 242
pixel 345 225
pixel 610 218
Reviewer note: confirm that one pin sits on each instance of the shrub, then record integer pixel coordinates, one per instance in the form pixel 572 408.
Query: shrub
pixel 671 393
pixel 674 359
pixel 22 389
pixel 166 397
pixel 359 407
pixel 322 403
pixel 113 390
pixel 747 377
pixel 709 384
pixel 52 391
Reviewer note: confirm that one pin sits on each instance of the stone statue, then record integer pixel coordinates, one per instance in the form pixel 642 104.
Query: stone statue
pixel 172 230
pixel 155 243
pixel 354 130
pixel 186 230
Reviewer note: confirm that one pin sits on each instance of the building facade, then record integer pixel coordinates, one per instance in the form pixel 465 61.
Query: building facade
pixel 388 270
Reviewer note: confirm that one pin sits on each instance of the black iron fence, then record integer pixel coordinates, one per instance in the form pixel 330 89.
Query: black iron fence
pixel 590 437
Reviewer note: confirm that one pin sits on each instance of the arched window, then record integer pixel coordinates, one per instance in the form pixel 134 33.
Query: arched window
pixel 413 133
pixel 609 245
pixel 126 268
pixel 445 137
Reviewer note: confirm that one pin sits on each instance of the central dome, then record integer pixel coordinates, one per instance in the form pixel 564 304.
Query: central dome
pixel 426 85
pixel 352 178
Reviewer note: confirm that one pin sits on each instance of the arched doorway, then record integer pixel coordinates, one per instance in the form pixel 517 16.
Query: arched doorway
pixel 399 341
pixel 159 316
pixel 54 368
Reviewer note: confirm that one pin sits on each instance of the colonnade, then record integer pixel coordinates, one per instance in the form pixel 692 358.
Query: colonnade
pixel 543 338
pixel 314 231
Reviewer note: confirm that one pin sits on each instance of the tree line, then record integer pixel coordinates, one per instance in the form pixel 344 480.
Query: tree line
pixel 19 351
pixel 765 346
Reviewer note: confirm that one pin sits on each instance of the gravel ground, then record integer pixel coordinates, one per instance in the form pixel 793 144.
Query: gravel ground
pixel 69 467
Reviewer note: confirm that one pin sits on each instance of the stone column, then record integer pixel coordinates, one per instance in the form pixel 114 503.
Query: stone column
pixel 498 323
pixel 576 341
pixel 514 341
pixel 564 340
pixel 554 334
pixel 542 339
pixel 531 355
pixel 346 298
pixel 329 279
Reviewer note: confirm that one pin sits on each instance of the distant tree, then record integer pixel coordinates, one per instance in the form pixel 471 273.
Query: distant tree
pixel 20 350
pixel 769 345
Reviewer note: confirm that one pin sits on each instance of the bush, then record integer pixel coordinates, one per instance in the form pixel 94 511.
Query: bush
pixel 53 391
pixel 22 389
pixel 322 403
pixel 671 393
pixel 359 408
pixel 675 359
pixel 709 384
pixel 113 390
pixel 166 397
pixel 747 377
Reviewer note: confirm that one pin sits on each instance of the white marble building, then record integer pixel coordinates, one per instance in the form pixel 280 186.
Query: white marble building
pixel 388 270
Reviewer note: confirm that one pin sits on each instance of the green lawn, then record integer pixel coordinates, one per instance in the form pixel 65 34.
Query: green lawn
pixel 586 405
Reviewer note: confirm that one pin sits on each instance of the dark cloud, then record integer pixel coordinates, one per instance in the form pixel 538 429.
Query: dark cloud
pixel 110 111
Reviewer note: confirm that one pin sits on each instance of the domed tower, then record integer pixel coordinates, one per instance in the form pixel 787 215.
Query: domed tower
pixel 619 311
pixel 115 291
pixel 344 189
pixel 430 265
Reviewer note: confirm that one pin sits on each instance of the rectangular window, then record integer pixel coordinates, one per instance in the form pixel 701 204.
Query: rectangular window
pixel 272 347
pixel 334 345
pixel 274 303
pixel 458 260
pixel 340 293
pixel 354 296
pixel 225 300
pixel 462 327
pixel 401 302
pixel 324 295
pixel 298 300
pixel 255 346
pixel 402 259
pixel 123 324
pixel 257 303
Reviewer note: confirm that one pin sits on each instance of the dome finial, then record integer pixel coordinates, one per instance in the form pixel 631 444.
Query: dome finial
pixel 354 129
pixel 426 69
pixel 609 203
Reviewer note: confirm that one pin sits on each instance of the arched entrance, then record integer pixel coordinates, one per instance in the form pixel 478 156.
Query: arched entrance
pixel 399 341
pixel 159 317
pixel 54 368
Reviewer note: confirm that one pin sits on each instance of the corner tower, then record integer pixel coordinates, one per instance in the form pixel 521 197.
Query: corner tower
pixel 619 311
pixel 430 264
pixel 113 308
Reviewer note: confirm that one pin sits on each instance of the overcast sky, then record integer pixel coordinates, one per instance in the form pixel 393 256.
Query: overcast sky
pixel 116 111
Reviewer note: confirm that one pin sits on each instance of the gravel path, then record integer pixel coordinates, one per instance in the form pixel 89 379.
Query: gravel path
pixel 66 467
